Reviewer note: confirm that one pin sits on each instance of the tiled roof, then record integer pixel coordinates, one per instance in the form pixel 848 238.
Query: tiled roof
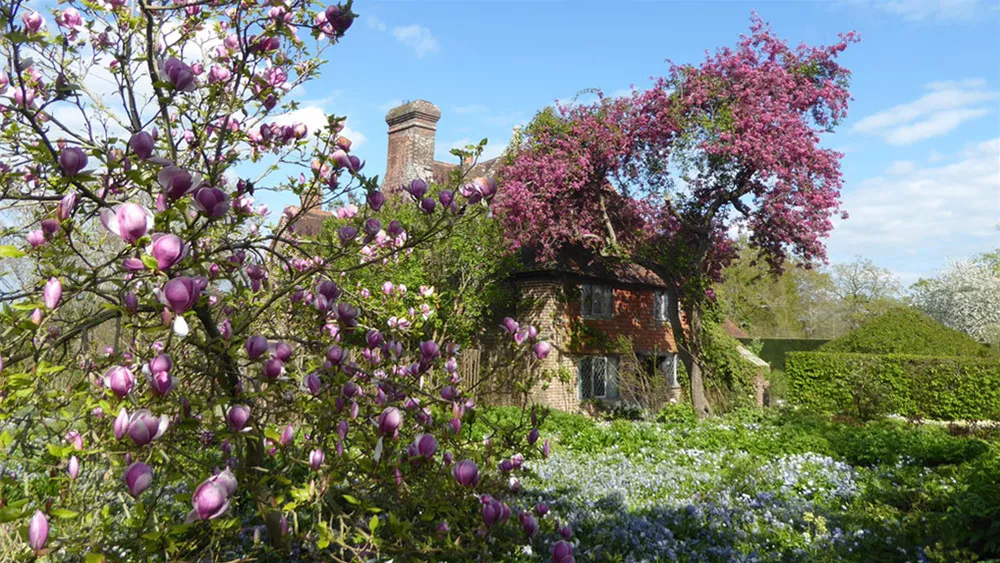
pixel 441 170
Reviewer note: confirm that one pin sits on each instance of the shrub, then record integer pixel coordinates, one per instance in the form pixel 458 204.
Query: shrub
pixel 865 385
pixel 677 413
pixel 905 330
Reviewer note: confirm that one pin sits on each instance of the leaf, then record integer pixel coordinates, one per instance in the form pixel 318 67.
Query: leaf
pixel 373 523
pixel 64 513
pixel 351 499
pixel 8 251
pixel 94 558
pixel 148 261
pixel 378 449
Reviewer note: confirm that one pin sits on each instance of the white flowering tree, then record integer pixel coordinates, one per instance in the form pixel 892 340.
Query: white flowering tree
pixel 965 297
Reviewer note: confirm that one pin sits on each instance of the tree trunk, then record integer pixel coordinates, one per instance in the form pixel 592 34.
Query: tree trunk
pixel 692 362
pixel 688 343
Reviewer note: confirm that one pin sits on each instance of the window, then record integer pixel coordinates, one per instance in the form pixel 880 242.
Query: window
pixel 597 302
pixel 660 301
pixel 668 366
pixel 598 377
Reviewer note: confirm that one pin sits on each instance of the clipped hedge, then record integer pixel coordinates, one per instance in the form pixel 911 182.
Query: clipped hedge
pixel 905 330
pixel 773 350
pixel 869 385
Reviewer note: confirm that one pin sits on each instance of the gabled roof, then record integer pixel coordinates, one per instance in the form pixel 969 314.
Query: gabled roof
pixel 441 170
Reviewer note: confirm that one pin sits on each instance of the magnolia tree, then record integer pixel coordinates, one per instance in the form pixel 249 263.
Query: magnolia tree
pixel 181 382
pixel 965 297
pixel 663 177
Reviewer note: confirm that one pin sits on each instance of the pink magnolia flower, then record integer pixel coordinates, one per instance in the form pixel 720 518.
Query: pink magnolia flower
pixel 138 478
pixel 130 221
pixel 38 531
pixel 52 293
pixel 119 379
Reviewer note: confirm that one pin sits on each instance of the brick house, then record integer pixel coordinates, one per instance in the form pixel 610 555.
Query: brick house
pixel 583 306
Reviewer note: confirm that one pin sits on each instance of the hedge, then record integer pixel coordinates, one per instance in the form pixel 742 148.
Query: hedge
pixel 867 385
pixel 773 350
pixel 905 330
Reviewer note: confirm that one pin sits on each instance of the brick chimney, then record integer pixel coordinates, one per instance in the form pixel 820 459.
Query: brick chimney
pixel 411 143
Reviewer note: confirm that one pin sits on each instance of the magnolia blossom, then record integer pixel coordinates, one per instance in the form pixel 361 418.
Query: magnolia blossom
pixel 129 221
pixel 180 294
pixel 119 379
pixel 178 74
pixel 316 459
pixel 212 497
pixel 390 420
pixel 138 478
pixel 52 293
pixel 167 249
pixel 142 144
pixel 144 426
pixel 466 473
pixel 562 552
pixel 73 467
pixel 238 417
pixel 38 531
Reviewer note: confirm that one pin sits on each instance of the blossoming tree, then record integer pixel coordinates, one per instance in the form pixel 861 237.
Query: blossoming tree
pixel 180 381
pixel 662 177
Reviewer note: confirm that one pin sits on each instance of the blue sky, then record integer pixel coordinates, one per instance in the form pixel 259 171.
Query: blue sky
pixel 922 140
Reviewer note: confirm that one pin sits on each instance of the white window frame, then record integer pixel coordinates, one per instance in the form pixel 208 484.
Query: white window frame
pixel 661 302
pixel 609 365
pixel 597 294
pixel 668 365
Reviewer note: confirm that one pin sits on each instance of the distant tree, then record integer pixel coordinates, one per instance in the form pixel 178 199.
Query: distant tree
pixel 864 290
pixel 742 132
pixel 965 297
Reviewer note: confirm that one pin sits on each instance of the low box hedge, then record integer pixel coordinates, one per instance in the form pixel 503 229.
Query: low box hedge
pixel 868 385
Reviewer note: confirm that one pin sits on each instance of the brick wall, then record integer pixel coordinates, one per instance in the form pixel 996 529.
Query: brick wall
pixel 552 305
pixel 633 319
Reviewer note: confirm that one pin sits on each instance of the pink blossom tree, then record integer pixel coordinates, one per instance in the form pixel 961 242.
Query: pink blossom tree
pixel 662 177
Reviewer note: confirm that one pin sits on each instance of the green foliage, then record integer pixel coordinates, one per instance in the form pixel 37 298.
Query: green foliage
pixel 773 350
pixel 728 373
pixel 865 385
pixel 677 413
pixel 905 330
pixel 462 264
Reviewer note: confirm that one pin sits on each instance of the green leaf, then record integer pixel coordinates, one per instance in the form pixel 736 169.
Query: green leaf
pixel 373 523
pixel 8 251
pixel 148 261
pixel 351 499
pixel 64 513
pixel 94 558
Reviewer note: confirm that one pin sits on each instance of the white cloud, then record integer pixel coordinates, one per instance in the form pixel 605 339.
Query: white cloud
pixel 418 38
pixel 900 167
pixel 313 115
pixel 375 23
pixel 946 106
pixel 920 208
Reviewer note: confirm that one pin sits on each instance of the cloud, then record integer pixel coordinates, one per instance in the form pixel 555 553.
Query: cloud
pixel 946 106
pixel 313 114
pixel 418 38
pixel 375 23
pixel 932 210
